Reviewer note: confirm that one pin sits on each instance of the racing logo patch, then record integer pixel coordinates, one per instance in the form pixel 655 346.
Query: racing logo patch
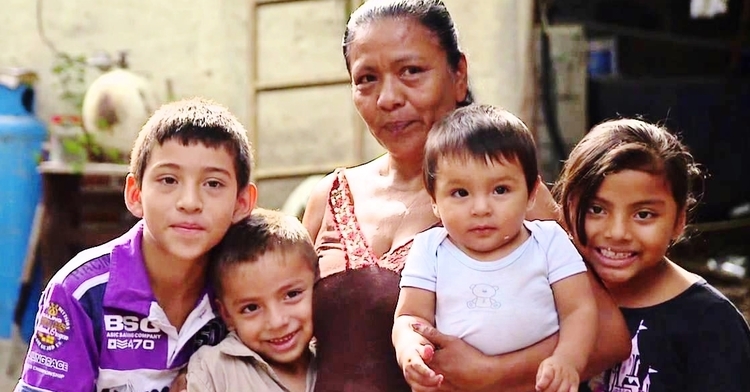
pixel 52 327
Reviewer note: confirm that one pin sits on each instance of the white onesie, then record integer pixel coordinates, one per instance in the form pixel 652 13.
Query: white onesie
pixel 496 306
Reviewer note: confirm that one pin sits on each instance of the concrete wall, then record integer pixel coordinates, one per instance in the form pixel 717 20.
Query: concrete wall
pixel 200 45
pixel 318 126
pixel 204 48
pixel 496 36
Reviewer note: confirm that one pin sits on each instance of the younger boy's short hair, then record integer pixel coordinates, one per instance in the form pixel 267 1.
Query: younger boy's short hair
pixel 263 231
pixel 480 132
pixel 191 121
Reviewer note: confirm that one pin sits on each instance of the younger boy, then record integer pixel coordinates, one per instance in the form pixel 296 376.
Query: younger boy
pixel 263 273
pixel 487 276
pixel 127 315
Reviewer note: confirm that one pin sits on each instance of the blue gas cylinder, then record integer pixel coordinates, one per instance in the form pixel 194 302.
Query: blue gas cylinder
pixel 21 139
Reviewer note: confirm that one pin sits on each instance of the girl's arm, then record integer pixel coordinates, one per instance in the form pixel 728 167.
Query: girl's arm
pixel 468 369
pixel 179 384
pixel 612 336
pixel 205 372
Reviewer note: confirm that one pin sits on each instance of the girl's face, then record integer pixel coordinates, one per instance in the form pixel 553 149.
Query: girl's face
pixel 630 224
pixel 402 83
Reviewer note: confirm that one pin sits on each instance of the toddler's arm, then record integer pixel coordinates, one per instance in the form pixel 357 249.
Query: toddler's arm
pixel 576 308
pixel 415 306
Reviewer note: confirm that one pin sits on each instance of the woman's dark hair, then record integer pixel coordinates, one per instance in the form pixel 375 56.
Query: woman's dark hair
pixel 432 14
pixel 624 144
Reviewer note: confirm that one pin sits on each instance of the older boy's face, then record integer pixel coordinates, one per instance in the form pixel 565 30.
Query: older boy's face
pixel 188 198
pixel 268 303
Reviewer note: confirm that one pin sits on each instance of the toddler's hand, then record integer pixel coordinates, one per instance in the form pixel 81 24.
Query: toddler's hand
pixel 417 374
pixel 555 375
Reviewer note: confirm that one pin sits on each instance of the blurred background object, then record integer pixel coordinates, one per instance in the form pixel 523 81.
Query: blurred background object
pixel 116 104
pixel 21 137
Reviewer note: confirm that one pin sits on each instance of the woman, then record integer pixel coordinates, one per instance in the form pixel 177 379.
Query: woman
pixel 407 71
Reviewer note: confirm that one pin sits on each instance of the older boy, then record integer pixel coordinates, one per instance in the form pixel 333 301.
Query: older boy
pixel 126 315
pixel 263 272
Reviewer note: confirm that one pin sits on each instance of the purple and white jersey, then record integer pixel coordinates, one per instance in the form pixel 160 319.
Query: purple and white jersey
pixel 99 327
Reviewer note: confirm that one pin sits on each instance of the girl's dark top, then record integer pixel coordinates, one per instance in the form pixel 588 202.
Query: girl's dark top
pixel 695 342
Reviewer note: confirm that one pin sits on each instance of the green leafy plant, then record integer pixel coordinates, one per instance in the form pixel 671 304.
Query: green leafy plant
pixel 78 147
pixel 71 77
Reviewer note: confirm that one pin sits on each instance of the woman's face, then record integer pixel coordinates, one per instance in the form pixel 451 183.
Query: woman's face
pixel 402 83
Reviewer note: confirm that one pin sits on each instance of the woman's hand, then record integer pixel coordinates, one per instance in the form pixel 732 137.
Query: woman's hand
pixel 544 207
pixel 460 364
pixel 465 368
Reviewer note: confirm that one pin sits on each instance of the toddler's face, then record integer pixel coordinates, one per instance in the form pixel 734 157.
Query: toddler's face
pixel 268 303
pixel 482 205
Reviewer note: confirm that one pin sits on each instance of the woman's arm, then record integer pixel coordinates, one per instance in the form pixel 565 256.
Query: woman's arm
pixel 612 338
pixel 466 368
pixel 315 209
pixel 544 207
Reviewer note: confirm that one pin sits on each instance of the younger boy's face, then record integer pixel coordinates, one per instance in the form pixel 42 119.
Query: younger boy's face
pixel 268 303
pixel 483 211
pixel 188 198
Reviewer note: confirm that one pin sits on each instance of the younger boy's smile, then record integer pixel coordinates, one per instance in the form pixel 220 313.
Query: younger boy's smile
pixel 273 315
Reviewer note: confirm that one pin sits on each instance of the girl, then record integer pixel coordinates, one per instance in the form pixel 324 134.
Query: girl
pixel 625 192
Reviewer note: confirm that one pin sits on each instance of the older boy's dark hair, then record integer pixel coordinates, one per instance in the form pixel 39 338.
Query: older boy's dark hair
pixel 480 132
pixel 263 231
pixel 192 121
pixel 616 145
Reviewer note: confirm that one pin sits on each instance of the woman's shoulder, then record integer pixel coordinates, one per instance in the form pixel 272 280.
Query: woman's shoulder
pixel 321 194
pixel 359 172
pixel 365 170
